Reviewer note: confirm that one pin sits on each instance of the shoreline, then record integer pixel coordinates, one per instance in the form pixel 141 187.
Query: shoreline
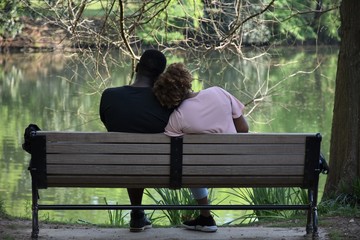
pixel 38 35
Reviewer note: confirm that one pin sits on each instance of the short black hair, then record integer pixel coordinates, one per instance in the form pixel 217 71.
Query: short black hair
pixel 152 63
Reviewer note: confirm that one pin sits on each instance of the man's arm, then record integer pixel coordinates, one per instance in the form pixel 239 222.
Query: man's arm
pixel 102 106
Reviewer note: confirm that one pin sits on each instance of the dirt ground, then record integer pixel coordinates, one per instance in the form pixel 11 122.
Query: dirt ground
pixel 329 228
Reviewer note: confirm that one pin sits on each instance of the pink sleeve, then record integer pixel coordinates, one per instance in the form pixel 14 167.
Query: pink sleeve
pixel 236 105
pixel 174 126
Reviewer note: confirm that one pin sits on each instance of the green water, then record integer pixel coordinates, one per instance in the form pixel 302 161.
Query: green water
pixel 294 89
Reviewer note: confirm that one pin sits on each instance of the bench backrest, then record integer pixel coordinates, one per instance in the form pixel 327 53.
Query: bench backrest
pixel 81 159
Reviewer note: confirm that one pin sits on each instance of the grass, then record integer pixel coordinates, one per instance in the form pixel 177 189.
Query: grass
pixel 3 213
pixel 261 196
pixel 331 211
pixel 183 196
pixel 116 217
pixel 346 203
pixel 335 235
pixel 7 237
pixel 164 196
pixel 338 206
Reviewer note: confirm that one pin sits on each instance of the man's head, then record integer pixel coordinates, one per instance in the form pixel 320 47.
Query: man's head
pixel 152 63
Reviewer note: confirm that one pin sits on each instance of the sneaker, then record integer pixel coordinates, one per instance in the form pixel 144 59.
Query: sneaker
pixel 201 223
pixel 139 222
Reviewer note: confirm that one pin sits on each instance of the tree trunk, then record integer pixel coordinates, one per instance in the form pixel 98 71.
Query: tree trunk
pixel 345 137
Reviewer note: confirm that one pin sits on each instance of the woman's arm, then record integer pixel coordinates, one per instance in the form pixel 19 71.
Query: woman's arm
pixel 241 124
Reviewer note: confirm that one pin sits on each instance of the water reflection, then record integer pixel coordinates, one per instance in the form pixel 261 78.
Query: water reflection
pixel 289 91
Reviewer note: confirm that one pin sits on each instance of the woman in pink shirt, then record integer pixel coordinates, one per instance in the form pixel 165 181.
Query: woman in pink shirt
pixel 212 110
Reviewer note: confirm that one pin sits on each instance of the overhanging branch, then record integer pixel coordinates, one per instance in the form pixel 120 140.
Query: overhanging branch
pixel 247 19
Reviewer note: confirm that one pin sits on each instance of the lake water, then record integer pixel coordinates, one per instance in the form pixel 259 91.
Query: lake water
pixel 289 90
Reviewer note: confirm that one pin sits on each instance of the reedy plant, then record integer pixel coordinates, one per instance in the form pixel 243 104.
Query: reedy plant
pixel 261 196
pixel 116 217
pixel 182 196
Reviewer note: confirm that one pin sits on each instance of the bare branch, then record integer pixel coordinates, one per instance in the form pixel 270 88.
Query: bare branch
pixel 235 28
pixel 320 12
pixel 122 31
pixel 78 15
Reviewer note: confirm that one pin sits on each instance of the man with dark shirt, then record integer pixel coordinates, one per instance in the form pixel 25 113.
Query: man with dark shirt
pixel 135 109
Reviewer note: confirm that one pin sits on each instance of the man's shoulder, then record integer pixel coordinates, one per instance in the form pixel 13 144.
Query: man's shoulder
pixel 114 89
pixel 128 89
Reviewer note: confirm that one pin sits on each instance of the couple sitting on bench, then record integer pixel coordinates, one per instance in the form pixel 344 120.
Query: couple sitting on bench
pixel 163 102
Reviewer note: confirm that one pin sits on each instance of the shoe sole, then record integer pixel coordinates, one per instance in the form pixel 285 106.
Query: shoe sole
pixel 140 229
pixel 201 228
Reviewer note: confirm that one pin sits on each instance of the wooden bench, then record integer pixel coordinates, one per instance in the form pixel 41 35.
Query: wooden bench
pixel 123 160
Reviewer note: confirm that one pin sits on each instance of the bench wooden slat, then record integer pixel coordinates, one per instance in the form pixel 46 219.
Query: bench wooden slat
pixel 228 149
pixel 64 148
pixel 161 138
pixel 108 170
pixel 188 181
pixel 106 137
pixel 243 149
pixel 243 159
pixel 103 159
pixel 243 138
pixel 165 170
pixel 244 170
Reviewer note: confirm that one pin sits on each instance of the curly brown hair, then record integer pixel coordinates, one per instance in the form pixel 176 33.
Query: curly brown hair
pixel 173 86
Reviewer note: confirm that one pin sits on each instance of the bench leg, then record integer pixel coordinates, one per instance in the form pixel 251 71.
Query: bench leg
pixel 35 224
pixel 312 216
pixel 315 223
pixel 315 214
pixel 309 225
pixel 35 212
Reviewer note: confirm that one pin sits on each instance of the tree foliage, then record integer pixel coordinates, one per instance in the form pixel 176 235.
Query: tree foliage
pixel 305 21
pixel 195 24
pixel 10 13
